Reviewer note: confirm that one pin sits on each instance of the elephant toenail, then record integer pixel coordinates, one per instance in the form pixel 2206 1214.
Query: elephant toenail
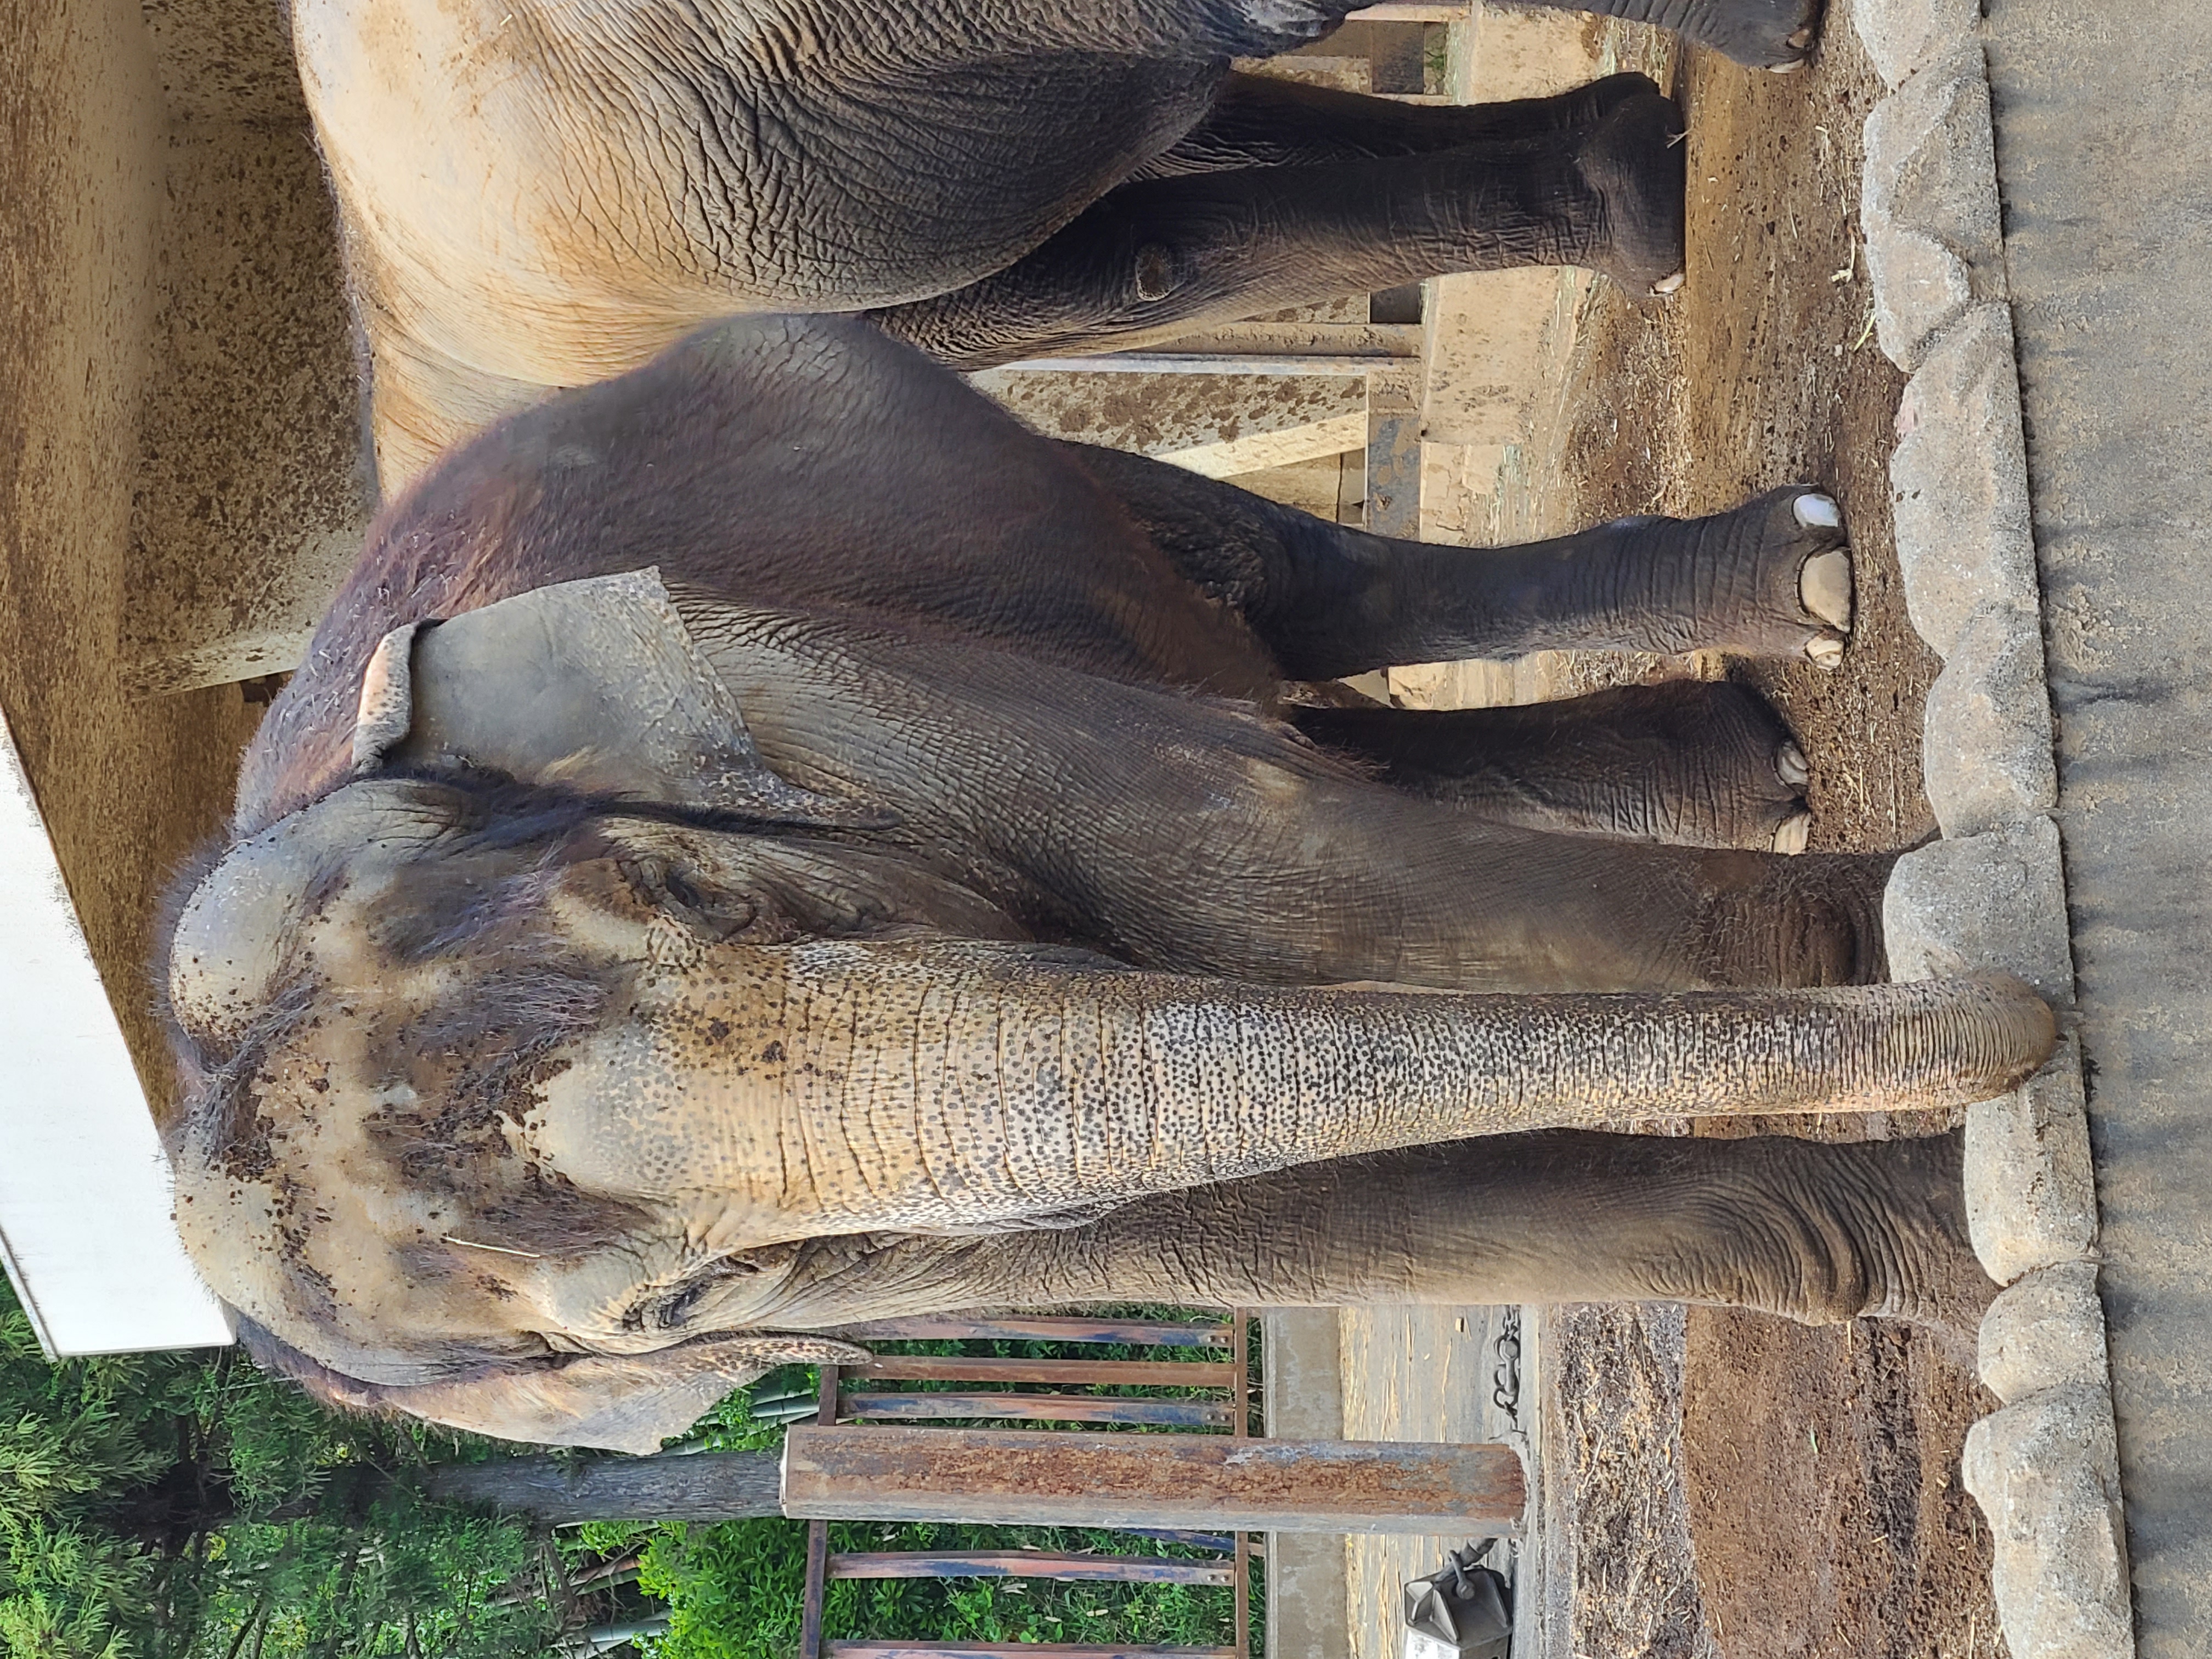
pixel 1789 68
pixel 1819 510
pixel 1794 834
pixel 1669 284
pixel 1825 650
pixel 1824 587
pixel 1790 761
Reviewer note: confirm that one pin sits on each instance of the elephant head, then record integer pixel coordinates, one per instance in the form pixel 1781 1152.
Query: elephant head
pixel 538 1075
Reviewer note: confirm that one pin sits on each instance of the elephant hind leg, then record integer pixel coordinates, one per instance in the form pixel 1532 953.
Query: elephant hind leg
pixel 1692 763
pixel 1262 121
pixel 1155 259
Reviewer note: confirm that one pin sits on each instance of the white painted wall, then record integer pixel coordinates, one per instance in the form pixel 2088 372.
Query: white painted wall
pixel 85 1188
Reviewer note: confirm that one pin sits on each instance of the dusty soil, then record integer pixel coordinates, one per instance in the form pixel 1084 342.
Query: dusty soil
pixel 1820 1468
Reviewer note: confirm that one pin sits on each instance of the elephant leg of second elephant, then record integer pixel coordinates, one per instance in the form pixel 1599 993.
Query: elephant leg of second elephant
pixel 1157 259
pixel 1768 578
pixel 1690 763
pixel 1262 121
pixel 1777 34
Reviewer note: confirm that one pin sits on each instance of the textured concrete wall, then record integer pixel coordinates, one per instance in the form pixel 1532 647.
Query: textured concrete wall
pixel 1303 1384
pixel 2103 148
pixel 126 787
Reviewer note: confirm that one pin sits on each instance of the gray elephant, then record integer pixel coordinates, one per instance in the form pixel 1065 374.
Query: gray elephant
pixel 767 842
pixel 536 194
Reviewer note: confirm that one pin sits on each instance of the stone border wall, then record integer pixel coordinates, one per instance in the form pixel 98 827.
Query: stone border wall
pixel 1991 893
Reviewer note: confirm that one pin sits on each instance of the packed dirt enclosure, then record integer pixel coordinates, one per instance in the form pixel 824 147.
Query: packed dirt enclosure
pixel 1806 1500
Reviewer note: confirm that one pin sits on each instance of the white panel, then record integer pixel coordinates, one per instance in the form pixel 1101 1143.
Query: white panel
pixel 85 1187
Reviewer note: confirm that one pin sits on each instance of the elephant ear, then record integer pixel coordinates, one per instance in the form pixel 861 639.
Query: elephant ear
pixel 610 1402
pixel 595 685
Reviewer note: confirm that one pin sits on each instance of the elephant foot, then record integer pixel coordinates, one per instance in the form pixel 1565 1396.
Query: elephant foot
pixel 1804 922
pixel 1587 107
pixel 1771 579
pixel 1685 762
pixel 1873 1229
pixel 1772 34
pixel 1930 1275
pixel 1634 161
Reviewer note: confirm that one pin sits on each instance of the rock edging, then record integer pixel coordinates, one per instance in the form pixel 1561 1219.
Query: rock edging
pixel 1991 894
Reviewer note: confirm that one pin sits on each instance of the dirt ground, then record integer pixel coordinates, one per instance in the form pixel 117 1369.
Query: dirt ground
pixel 1820 1468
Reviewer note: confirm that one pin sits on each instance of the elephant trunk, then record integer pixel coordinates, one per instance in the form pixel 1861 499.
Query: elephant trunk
pixel 973 1089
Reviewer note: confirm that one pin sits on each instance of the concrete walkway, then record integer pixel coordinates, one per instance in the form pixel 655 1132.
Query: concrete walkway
pixel 2104 123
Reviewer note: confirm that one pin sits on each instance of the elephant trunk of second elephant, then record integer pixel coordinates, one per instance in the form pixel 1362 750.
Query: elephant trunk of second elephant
pixel 855 1086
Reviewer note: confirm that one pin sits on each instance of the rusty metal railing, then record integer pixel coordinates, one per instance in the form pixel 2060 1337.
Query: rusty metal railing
pixel 840 1401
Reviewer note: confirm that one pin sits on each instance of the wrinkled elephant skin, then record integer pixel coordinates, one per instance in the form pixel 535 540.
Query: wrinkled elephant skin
pixel 767 842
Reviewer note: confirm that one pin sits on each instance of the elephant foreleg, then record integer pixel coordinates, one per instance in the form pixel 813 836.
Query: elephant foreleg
pixel 1263 121
pixel 1184 834
pixel 1768 578
pixel 1692 763
pixel 1155 259
pixel 1815 1232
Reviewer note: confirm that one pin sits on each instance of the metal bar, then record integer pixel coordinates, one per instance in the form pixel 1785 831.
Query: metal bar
pixel 1025 1478
pixel 817 1537
pixel 1416 11
pixel 1240 1397
pixel 1135 1333
pixel 1019 1651
pixel 1029 1564
pixel 1162 362
pixel 1147 1373
pixel 1035 1408
pixel 1197 1540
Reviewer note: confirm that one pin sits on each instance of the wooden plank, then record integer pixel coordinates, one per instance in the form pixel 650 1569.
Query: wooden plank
pixel 1140 1373
pixel 1035 1408
pixel 1134 1332
pixel 1024 1478
pixel 1030 1564
pixel 558 1491
pixel 1018 1650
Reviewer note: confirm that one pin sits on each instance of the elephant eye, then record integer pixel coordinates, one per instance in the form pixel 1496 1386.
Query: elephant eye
pixel 675 1310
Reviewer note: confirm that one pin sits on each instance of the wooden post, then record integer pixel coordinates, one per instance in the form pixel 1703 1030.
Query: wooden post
pixel 1024 1478
pixel 1394 450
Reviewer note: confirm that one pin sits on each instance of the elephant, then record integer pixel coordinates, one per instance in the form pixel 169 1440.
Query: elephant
pixel 766 842
pixel 535 194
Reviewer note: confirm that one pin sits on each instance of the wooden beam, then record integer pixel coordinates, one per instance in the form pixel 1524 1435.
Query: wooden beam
pixel 1024 1478
pixel 559 1491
